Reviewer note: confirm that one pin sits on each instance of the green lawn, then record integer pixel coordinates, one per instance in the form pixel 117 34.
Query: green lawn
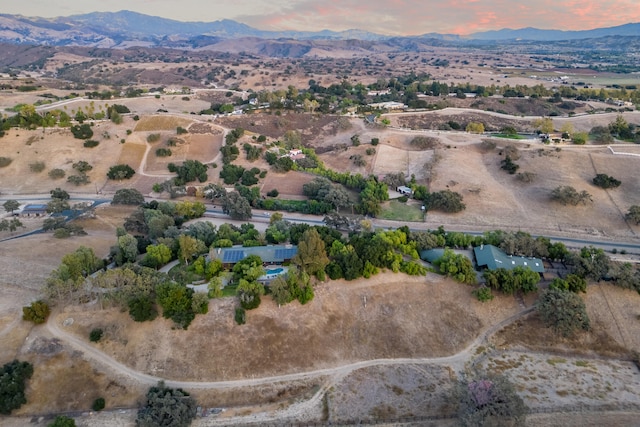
pixel 508 136
pixel 399 211
pixel 229 291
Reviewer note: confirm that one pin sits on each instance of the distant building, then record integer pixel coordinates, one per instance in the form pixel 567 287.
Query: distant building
pixel 391 105
pixel 34 210
pixel 492 258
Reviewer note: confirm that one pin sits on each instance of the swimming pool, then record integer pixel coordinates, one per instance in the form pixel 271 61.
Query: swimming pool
pixel 274 271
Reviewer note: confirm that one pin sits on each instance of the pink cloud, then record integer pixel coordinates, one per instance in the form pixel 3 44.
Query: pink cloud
pixel 413 17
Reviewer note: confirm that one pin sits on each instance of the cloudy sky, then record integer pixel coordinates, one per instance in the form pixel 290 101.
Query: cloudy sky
pixel 394 17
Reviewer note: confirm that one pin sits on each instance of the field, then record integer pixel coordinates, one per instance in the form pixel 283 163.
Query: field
pixel 385 348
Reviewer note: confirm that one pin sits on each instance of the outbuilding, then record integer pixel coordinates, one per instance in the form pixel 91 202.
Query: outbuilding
pixel 34 210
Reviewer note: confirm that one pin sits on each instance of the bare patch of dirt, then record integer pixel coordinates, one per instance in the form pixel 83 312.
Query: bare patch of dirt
pixel 387 393
pixel 289 185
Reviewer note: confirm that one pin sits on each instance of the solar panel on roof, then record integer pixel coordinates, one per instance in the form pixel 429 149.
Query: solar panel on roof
pixel 233 256
pixel 286 253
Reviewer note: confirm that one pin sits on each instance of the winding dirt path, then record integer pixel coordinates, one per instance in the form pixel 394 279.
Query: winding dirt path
pixel 456 360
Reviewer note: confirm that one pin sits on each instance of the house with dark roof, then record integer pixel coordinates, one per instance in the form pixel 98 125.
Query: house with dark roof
pixel 270 255
pixel 34 210
pixel 492 258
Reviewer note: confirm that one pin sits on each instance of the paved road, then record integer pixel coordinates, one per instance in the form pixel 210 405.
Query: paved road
pixel 262 216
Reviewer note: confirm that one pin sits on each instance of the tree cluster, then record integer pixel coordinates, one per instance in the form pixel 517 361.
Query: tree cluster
pixel 563 311
pixel 13 377
pixel 189 171
pixel 568 195
pixel 520 279
pixel 166 407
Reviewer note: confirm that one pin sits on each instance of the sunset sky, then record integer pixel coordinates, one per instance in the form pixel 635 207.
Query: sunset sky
pixel 393 17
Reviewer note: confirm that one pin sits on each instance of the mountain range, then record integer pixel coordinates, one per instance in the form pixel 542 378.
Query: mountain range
pixel 125 29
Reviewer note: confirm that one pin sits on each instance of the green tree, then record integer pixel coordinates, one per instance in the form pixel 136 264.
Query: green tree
pixel 11 205
pixel 590 262
pixel 280 291
pixel 127 196
pixel 189 246
pixel 633 215
pixel 544 125
pixel 82 166
pixel 475 127
pixel 568 195
pixel 605 181
pixel 457 266
pixel 120 172
pixel 312 256
pixel 176 303
pixel 488 401
pixel 445 201
pixel 58 193
pixel 157 255
pixel 236 206
pixel 98 404
pixel 12 385
pixel 37 312
pixel 142 308
pixel 62 421
pixel 189 171
pixel 249 293
pixel 128 246
pixel 563 311
pixel 572 283
pixel 167 407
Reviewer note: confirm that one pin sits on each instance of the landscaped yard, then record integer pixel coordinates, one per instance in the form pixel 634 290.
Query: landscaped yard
pixel 399 211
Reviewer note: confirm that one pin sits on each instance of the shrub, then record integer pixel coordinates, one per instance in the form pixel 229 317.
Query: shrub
pixel 262 138
pixel 154 137
pixel 527 177
pixel 90 143
pixel 5 161
pixel 424 142
pixel 163 152
pixel 370 151
pixel 82 131
pixel 180 130
pixel 605 181
pixel 240 316
pixel 78 179
pixel 63 421
pixel 375 141
pixel 37 312
pixel 273 193
pixel 61 233
pixel 120 172
pixel 483 294
pixel 37 167
pixel 96 335
pixel 509 166
pixel 98 404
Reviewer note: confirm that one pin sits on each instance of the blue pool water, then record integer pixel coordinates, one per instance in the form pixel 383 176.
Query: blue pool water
pixel 274 271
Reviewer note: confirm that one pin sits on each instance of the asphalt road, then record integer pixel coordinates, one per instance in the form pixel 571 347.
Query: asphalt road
pixel 262 216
